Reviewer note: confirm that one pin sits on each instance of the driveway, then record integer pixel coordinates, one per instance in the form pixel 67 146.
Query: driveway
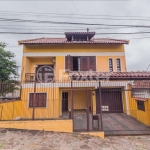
pixel 40 140
pixel 120 123
pixel 113 124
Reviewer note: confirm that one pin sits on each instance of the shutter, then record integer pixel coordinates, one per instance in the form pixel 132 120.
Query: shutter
pixel 40 100
pixel 31 100
pixel 44 99
pixel 68 63
pixel 88 63
pixel 84 63
pixel 92 63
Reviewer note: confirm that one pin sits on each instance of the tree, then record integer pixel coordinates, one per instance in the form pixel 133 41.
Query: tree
pixel 8 66
pixel 8 70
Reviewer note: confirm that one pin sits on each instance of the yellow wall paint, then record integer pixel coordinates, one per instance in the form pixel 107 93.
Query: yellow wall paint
pixel 93 102
pixel 102 63
pixel 79 99
pixel 75 48
pixel 143 116
pixel 10 110
pixel 28 63
pixel 97 134
pixel 47 125
pixel 52 109
pixel 60 68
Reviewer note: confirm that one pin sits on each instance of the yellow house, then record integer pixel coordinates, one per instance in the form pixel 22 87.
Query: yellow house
pixel 79 51
pixel 79 78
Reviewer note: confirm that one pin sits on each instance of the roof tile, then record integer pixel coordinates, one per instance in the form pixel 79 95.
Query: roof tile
pixel 64 41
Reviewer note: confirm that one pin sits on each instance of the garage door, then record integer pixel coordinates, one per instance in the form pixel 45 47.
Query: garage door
pixel 111 100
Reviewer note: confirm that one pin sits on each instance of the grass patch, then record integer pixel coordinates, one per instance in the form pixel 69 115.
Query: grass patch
pixel 1 146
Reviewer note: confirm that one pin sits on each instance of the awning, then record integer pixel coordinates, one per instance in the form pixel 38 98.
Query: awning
pixel 92 75
pixel 140 99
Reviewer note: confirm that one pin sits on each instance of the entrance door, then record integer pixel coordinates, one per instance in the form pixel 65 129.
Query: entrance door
pixel 64 101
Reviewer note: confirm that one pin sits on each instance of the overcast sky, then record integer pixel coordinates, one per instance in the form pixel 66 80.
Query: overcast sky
pixel 132 12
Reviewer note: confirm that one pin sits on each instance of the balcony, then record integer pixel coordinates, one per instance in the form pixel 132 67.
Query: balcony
pixel 30 77
pixel 39 78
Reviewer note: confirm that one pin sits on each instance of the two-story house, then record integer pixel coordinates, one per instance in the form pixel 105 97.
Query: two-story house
pixel 48 60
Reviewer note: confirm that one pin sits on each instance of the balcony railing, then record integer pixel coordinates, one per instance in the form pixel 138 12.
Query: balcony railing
pixel 30 77
pixel 42 77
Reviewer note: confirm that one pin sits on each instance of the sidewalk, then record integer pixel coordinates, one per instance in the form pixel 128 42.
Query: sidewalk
pixel 40 140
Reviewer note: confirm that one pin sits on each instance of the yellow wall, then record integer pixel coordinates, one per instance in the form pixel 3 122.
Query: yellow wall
pixel 59 68
pixel 52 109
pixel 142 116
pixel 47 125
pixel 75 48
pixel 93 103
pixel 10 110
pixel 79 99
pixel 102 63
pixel 28 63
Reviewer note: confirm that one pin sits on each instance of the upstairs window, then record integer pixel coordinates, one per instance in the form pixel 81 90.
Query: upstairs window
pixel 82 63
pixel 76 64
pixel 140 105
pixel 110 65
pixel 118 65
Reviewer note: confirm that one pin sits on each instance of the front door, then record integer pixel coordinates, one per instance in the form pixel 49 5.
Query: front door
pixel 64 101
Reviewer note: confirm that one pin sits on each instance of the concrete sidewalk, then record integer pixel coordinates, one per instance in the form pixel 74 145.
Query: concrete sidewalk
pixel 40 140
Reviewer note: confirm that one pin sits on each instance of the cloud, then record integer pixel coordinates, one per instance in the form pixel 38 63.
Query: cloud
pixel 137 52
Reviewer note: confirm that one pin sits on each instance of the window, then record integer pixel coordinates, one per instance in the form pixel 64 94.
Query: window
pixel 118 65
pixel 140 105
pixel 110 65
pixel 40 100
pixel 76 64
pixel 81 63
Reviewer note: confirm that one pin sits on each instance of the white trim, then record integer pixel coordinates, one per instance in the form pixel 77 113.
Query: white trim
pixel 112 65
pixel 77 84
pixel 38 107
pixel 53 54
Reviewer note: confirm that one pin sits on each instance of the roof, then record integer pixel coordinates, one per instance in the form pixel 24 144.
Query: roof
pixel 86 75
pixel 140 99
pixel 79 32
pixel 64 41
pixel 141 84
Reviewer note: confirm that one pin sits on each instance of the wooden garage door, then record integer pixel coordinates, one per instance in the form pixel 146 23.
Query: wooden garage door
pixel 111 100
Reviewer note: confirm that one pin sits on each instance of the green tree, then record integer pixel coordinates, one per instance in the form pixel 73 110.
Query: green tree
pixel 8 70
pixel 8 66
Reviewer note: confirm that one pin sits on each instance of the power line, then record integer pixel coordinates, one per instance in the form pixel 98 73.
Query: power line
pixel 62 14
pixel 60 33
pixel 55 15
pixel 74 23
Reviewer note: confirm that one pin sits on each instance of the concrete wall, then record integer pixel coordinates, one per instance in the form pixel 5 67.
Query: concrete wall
pixel 47 125
pixel 10 110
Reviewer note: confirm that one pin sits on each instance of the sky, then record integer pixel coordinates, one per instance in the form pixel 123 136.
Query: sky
pixel 110 12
